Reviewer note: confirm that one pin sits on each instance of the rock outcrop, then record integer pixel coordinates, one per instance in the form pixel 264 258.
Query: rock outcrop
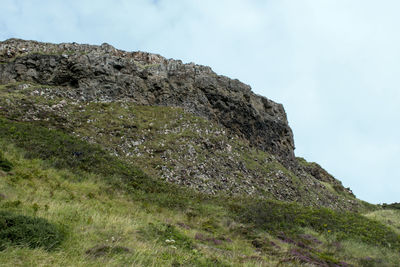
pixel 213 134
pixel 103 73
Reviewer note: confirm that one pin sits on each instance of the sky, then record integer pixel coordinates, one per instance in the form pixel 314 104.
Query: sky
pixel 333 64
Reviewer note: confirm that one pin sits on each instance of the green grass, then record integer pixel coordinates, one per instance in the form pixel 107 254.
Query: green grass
pixel 167 235
pixel 62 150
pixel 280 216
pixel 390 217
pixel 111 209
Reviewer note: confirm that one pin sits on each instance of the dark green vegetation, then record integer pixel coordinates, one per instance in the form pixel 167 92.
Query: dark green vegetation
pixel 395 206
pixel 64 151
pixel 19 230
pixel 290 217
pixel 5 165
pixel 285 222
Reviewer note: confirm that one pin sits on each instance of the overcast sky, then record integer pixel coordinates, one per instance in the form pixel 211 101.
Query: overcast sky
pixel 334 64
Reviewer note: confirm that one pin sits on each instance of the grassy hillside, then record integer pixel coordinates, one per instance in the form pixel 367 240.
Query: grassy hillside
pixel 101 209
pixel 172 145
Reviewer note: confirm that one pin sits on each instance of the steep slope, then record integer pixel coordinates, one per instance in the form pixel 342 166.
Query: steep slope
pixel 90 208
pixel 180 122
pixel 129 159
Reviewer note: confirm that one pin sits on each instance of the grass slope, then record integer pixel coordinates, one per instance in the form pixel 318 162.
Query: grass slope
pixel 111 213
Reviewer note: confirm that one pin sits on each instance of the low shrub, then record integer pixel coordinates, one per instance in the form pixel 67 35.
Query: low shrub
pixel 19 230
pixel 393 206
pixel 5 165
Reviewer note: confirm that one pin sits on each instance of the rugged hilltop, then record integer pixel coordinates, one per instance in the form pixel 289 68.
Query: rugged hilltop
pixel 213 134
pixel 103 73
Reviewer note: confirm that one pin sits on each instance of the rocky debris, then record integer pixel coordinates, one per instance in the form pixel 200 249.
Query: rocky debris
pixel 103 73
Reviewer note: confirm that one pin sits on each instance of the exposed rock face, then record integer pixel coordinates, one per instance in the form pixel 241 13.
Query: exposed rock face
pixel 103 73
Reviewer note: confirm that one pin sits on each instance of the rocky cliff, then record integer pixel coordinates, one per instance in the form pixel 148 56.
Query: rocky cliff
pixel 104 73
pixel 233 140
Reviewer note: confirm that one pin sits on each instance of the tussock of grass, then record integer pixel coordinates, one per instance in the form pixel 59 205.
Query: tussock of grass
pixel 20 230
pixel 5 165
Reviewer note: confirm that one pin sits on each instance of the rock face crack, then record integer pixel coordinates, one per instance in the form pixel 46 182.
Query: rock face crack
pixel 103 73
